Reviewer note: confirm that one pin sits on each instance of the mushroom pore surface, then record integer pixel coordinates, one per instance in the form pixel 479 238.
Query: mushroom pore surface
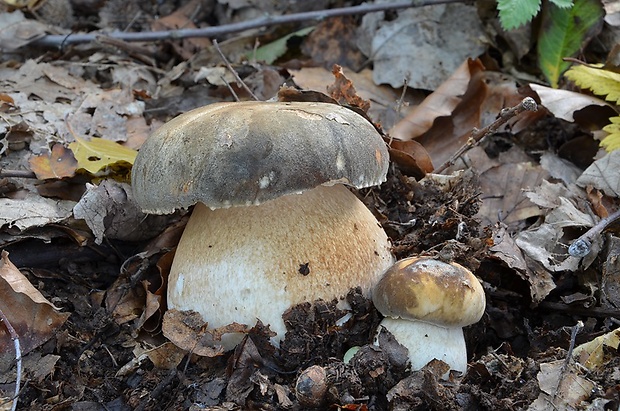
pixel 242 263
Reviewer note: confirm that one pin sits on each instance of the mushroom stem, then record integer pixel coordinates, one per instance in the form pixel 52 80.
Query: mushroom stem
pixel 426 342
pixel 242 263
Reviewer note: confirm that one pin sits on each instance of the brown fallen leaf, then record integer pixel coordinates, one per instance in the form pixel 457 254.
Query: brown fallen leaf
pixel 411 157
pixel 562 387
pixel 60 163
pixel 34 318
pixel 343 91
pixel 187 330
pixel 440 103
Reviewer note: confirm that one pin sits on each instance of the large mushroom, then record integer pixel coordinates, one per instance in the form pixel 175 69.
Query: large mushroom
pixel 426 304
pixel 273 225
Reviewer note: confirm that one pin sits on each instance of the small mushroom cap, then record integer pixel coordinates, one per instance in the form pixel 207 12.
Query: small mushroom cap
pixel 237 154
pixel 430 290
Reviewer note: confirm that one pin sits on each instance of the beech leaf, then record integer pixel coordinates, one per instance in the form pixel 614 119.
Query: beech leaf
pixel 98 155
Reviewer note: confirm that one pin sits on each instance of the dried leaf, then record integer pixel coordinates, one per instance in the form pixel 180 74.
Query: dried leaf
pixel 187 330
pixel 343 91
pixel 591 354
pixel 562 387
pixel 58 164
pixel 109 210
pixel 32 316
pixel 99 156
pixel 422 46
pixel 411 157
pixel 33 211
pixel 564 103
pixel 603 174
pixel 439 103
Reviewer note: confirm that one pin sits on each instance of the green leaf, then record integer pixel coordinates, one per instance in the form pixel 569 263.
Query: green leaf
pixel 270 52
pixel 602 82
pixel 563 4
pixel 99 155
pixel 612 141
pixel 564 32
pixel 515 13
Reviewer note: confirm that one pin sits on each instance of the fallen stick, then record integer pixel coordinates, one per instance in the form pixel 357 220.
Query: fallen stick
pixel 18 356
pixel 56 40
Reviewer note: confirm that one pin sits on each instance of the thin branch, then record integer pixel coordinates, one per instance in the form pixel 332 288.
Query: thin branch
pixel 583 245
pixel 18 356
pixel 527 104
pixel 234 72
pixel 16 174
pixel 54 40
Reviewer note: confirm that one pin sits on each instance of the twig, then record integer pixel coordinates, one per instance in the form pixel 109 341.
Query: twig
pixel 54 40
pixel 18 356
pixel 156 392
pixel 234 72
pixel 16 174
pixel 573 337
pixel 583 245
pixel 527 104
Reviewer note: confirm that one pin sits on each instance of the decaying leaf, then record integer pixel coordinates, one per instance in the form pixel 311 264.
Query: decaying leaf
pixel 58 164
pixel 592 354
pixel 411 157
pixel 603 174
pixel 564 103
pixel 32 316
pixel 384 100
pixel 99 156
pixel 439 103
pixel 33 211
pixel 422 46
pixel 343 91
pixel 562 387
pixel 109 210
pixel 187 330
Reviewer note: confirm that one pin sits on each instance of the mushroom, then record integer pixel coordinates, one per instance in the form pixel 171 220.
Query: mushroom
pixel 273 225
pixel 426 302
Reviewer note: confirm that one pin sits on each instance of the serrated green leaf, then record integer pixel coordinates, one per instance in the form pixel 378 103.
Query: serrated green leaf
pixel 602 82
pixel 564 32
pixel 563 4
pixel 98 155
pixel 612 141
pixel 270 52
pixel 515 13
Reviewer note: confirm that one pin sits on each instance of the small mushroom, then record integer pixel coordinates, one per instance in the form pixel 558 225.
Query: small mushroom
pixel 426 304
pixel 273 225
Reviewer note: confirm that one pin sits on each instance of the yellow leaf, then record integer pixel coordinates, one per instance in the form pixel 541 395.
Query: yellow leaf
pixel 612 141
pixel 99 156
pixel 592 355
pixel 601 82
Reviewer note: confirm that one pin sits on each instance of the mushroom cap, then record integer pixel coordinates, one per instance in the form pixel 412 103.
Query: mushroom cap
pixel 430 290
pixel 237 154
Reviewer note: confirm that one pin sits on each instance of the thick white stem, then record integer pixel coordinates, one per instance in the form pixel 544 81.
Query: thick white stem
pixel 426 342
pixel 243 263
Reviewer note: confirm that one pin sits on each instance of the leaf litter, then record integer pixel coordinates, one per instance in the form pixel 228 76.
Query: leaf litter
pixel 508 209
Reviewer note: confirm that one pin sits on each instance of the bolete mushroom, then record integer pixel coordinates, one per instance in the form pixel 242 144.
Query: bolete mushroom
pixel 273 225
pixel 426 302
